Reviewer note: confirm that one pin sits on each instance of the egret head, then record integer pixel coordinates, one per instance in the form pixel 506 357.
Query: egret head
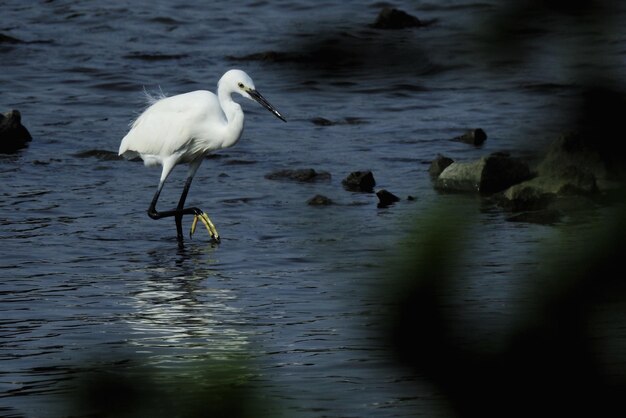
pixel 238 81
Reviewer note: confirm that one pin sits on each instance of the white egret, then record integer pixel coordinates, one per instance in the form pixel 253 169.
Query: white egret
pixel 184 129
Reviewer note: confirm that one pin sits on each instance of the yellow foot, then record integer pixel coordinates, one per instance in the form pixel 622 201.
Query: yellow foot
pixel 207 223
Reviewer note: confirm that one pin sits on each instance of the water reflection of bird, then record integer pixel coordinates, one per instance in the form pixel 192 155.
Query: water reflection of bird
pixel 184 129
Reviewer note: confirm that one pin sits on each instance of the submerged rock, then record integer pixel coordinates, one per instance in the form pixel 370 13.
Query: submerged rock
pixel 305 175
pixel 487 175
pixel 13 135
pixel 319 200
pixel 319 121
pixel 571 167
pixel 6 39
pixel 521 197
pixel 102 155
pixel 359 181
pixel 474 137
pixel 390 18
pixel 542 217
pixel 438 165
pixel 386 198
pixel 271 56
pixel 152 57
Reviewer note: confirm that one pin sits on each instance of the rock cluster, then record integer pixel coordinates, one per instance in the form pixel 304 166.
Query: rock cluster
pixel 565 178
pixel 356 181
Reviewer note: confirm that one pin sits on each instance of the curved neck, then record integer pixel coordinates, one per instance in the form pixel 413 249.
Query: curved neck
pixel 234 117
pixel 229 106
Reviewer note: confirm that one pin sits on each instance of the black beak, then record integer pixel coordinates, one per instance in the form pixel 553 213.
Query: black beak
pixel 257 96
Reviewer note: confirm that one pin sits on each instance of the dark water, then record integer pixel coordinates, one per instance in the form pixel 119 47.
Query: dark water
pixel 88 278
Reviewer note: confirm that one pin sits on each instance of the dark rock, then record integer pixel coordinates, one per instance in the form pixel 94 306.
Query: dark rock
pixel 154 57
pixel 474 137
pixel 502 171
pixel 13 135
pixel 319 200
pixel 522 197
pixel 6 39
pixel 346 121
pixel 488 175
pixel 322 122
pixel 543 217
pixel 354 121
pixel 386 198
pixel 359 181
pixel 271 56
pixel 390 18
pixel 238 200
pixel 438 165
pixel 240 162
pixel 571 167
pixel 570 178
pixel 102 155
pixel 305 175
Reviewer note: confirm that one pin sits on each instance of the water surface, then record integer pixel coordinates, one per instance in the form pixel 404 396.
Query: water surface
pixel 88 278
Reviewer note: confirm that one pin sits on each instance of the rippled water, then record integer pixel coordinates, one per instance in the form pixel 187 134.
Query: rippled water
pixel 88 278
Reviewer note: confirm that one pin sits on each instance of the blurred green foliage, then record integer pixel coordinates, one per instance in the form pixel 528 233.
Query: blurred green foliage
pixel 132 388
pixel 565 353
pixel 555 361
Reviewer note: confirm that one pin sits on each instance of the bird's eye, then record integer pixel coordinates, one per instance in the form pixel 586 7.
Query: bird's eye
pixel 240 85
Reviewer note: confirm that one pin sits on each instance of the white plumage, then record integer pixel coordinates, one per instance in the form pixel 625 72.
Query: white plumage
pixel 184 128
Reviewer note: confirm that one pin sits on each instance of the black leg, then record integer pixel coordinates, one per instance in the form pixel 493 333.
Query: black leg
pixel 152 212
pixel 176 213
pixel 181 207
